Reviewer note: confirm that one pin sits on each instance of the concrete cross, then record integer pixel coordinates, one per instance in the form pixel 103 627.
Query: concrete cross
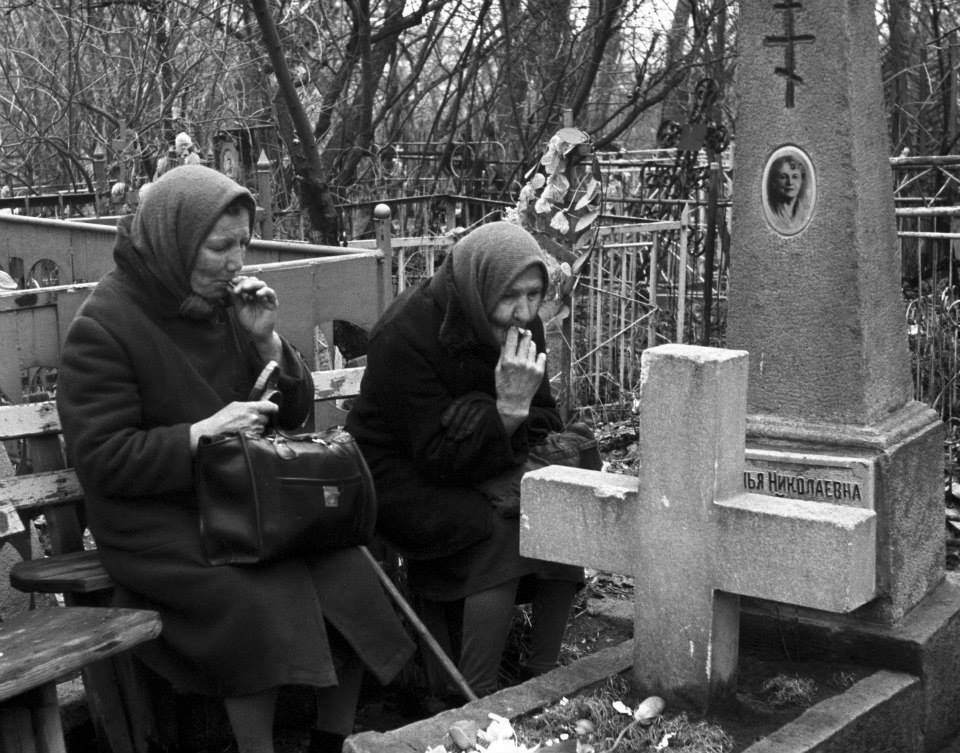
pixel 689 535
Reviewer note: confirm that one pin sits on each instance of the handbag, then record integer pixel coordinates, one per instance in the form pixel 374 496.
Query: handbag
pixel 265 497
pixel 574 446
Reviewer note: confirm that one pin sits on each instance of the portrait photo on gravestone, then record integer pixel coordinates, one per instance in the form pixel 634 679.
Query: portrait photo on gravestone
pixel 789 190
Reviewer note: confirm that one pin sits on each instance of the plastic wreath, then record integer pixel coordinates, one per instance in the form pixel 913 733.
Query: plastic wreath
pixel 562 196
pixel 559 202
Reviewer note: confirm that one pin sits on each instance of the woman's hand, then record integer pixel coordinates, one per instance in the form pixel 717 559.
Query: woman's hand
pixel 257 305
pixel 250 416
pixel 518 376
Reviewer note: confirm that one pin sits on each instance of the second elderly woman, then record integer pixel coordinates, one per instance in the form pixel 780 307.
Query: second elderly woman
pixel 454 396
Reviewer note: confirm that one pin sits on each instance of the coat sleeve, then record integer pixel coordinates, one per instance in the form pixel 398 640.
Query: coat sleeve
pixel 296 384
pixel 100 407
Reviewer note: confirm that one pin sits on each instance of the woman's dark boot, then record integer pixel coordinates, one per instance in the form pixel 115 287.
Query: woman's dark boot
pixel 325 742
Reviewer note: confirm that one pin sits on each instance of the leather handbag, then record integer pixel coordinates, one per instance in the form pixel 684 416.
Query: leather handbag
pixel 574 446
pixel 270 496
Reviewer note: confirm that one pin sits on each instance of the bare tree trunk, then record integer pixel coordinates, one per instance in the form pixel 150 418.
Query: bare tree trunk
pixel 673 104
pixel 898 20
pixel 604 18
pixel 313 190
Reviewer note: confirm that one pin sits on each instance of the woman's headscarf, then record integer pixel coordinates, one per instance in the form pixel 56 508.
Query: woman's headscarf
pixel 174 217
pixel 484 263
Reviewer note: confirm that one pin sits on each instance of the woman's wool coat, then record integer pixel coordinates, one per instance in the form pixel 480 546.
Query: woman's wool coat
pixel 134 377
pixel 422 356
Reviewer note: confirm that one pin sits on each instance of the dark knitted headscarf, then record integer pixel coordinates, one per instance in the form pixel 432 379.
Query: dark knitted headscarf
pixel 482 266
pixel 174 217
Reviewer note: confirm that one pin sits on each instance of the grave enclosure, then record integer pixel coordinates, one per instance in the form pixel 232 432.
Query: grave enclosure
pixel 319 284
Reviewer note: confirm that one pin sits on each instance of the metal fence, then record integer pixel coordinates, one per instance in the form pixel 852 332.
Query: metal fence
pixel 648 279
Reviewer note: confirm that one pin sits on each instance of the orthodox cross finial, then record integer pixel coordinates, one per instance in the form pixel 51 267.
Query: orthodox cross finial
pixel 788 41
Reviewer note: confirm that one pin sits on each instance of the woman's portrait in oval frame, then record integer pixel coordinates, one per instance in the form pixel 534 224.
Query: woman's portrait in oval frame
pixel 789 190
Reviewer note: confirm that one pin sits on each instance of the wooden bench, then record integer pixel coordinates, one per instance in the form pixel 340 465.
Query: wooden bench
pixel 45 486
pixel 39 647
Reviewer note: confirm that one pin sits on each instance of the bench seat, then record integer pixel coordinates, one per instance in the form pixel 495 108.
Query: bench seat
pixel 42 646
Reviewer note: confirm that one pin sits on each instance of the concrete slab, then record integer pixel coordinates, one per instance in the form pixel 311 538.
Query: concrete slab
pixel 879 714
pixel 925 643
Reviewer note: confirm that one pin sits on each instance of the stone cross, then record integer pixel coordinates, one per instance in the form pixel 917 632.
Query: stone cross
pixel 814 289
pixel 689 534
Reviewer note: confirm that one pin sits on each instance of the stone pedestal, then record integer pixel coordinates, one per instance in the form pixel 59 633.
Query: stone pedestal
pixel 893 468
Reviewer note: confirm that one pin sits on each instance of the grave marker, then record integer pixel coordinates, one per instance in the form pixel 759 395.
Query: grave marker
pixel 814 288
pixel 692 539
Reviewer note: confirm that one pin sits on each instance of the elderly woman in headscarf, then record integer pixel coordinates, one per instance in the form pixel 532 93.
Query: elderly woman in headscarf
pixel 454 396
pixel 165 350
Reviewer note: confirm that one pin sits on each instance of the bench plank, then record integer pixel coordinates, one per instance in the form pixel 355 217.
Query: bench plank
pixel 29 419
pixel 69 573
pixel 337 384
pixel 37 490
pixel 44 645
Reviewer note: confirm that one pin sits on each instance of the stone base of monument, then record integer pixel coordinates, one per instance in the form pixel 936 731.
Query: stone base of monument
pixel 904 700
pixel 924 645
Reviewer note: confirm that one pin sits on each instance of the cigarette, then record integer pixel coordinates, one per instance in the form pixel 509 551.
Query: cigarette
pixel 245 295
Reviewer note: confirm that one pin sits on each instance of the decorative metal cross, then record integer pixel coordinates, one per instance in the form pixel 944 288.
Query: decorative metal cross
pixel 787 41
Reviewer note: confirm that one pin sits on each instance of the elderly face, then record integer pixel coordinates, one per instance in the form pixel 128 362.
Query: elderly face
pixel 787 179
pixel 519 303
pixel 221 255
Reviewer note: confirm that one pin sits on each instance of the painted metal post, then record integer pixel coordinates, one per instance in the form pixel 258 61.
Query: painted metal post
pixel 382 216
pixel 265 190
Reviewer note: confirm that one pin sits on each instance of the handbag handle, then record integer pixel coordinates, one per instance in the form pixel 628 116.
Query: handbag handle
pixel 265 388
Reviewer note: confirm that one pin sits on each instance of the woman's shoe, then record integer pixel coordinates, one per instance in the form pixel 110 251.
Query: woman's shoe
pixel 325 742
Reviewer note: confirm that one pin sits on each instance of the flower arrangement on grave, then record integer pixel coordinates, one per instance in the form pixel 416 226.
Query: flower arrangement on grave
pixel 559 203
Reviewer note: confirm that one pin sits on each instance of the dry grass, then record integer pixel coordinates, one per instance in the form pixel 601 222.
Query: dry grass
pixel 615 732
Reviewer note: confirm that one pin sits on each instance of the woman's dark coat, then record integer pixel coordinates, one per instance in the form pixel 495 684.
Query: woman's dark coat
pixel 134 376
pixel 422 356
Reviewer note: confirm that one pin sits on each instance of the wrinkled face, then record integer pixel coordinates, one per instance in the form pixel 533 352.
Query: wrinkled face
pixel 220 256
pixel 787 180
pixel 519 303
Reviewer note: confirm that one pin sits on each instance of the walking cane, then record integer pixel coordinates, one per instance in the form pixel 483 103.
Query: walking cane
pixel 421 629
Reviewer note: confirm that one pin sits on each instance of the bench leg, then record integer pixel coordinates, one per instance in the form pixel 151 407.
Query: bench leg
pixel 118 695
pixel 119 705
pixel 46 721
pixel 31 723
